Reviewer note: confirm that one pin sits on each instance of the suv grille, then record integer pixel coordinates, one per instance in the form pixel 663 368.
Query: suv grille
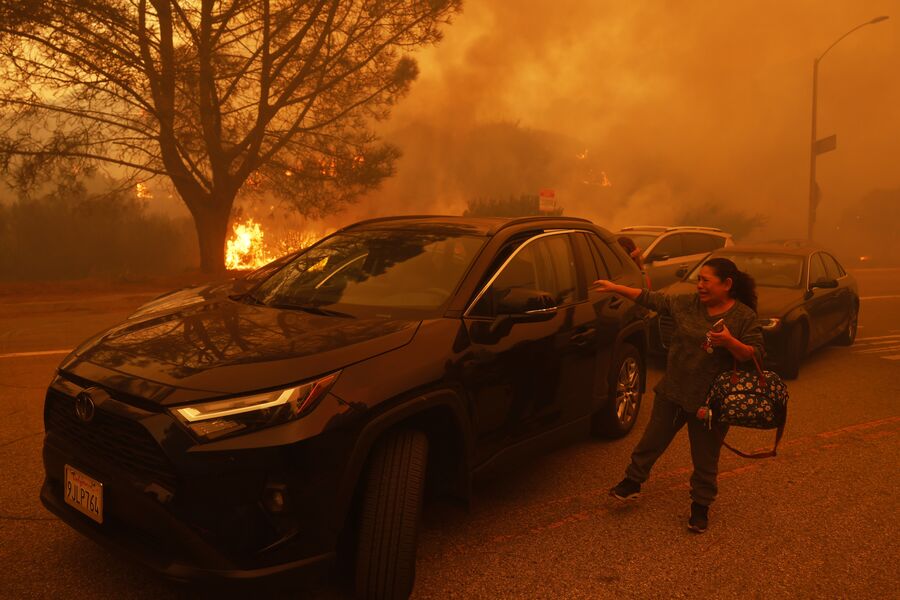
pixel 666 330
pixel 110 437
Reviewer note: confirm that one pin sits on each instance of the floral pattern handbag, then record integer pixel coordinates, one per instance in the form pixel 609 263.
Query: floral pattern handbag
pixel 756 399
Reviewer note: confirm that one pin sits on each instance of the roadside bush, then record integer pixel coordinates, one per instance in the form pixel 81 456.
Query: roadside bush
pixel 71 235
pixel 524 206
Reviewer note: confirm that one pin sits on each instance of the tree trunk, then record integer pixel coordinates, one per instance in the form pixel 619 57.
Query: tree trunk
pixel 212 229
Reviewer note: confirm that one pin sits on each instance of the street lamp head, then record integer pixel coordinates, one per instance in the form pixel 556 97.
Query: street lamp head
pixel 879 19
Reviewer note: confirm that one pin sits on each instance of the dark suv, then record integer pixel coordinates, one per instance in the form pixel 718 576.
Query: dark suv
pixel 264 425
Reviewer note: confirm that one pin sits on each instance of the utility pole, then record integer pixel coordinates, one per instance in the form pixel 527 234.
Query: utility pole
pixel 827 144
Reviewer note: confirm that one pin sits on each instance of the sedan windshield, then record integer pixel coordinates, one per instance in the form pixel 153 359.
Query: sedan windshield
pixel 769 270
pixel 402 269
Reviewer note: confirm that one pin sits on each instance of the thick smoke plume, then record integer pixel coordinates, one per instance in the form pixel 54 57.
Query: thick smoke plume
pixel 645 112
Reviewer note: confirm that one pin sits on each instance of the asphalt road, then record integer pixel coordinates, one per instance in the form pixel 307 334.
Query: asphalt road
pixel 820 520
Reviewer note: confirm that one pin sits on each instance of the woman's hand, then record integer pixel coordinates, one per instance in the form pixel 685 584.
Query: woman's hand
pixel 721 339
pixel 724 339
pixel 602 285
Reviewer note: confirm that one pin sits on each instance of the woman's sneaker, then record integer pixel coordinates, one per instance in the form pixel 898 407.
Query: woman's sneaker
pixel 627 489
pixel 699 520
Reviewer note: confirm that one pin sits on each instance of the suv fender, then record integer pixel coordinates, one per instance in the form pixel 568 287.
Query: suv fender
pixel 440 413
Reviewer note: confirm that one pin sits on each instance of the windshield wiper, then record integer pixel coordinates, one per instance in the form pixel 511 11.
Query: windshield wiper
pixel 316 310
pixel 247 298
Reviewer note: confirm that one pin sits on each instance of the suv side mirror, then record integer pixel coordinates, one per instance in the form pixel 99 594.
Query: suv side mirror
pixel 522 304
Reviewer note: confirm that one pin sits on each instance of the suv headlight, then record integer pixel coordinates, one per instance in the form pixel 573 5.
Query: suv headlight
pixel 220 418
pixel 770 324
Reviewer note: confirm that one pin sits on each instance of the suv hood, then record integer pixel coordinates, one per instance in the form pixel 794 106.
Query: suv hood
pixel 218 345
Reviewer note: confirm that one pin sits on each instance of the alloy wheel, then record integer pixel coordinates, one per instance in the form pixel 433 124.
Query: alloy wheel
pixel 628 390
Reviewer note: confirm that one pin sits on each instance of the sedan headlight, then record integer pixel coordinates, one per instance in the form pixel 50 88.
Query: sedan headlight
pixel 770 324
pixel 219 418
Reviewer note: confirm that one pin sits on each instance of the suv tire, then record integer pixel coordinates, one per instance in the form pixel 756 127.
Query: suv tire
pixel 389 520
pixel 619 413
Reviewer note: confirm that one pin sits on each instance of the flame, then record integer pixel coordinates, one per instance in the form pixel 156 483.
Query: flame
pixel 142 192
pixel 247 247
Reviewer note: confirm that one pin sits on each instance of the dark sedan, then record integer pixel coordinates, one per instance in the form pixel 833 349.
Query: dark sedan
pixel 806 300
pixel 269 425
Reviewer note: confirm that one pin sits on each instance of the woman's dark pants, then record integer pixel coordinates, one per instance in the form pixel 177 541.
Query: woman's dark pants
pixel 666 420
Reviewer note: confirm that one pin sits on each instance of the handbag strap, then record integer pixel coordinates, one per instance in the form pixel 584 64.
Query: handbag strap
pixel 764 454
pixel 762 376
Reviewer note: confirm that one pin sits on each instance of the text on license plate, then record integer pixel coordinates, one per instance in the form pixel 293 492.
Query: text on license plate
pixel 84 493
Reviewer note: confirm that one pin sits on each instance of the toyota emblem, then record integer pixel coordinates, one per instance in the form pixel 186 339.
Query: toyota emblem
pixel 84 406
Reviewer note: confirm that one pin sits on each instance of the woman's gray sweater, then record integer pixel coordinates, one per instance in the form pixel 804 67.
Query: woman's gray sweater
pixel 691 370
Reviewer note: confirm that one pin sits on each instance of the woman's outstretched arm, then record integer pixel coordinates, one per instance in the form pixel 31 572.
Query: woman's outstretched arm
pixel 656 301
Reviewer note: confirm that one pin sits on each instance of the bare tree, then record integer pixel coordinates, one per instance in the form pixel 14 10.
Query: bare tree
pixel 273 96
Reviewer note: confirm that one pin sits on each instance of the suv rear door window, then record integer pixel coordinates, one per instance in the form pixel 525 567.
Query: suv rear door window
pixel 701 243
pixel 593 266
pixel 669 247
pixel 605 256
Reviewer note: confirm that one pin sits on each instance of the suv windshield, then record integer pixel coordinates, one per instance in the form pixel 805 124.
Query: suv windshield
pixel 402 269
pixel 769 270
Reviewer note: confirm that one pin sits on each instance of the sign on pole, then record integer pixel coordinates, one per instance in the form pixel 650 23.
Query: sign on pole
pixel 547 201
pixel 825 145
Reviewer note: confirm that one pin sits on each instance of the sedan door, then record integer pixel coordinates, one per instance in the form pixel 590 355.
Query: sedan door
pixel 844 300
pixel 822 304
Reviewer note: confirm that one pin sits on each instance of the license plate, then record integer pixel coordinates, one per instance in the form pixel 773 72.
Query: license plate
pixel 84 493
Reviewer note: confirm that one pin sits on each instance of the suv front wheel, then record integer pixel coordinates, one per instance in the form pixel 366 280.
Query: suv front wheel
pixel 618 415
pixel 390 513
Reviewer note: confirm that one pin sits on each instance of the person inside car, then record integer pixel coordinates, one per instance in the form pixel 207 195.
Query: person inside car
pixel 635 253
pixel 723 293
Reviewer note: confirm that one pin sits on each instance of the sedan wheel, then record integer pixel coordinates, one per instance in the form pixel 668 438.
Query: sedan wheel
pixel 617 417
pixel 849 334
pixel 794 351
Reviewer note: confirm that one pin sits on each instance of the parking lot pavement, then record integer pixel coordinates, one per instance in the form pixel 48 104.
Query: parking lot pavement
pixel 820 520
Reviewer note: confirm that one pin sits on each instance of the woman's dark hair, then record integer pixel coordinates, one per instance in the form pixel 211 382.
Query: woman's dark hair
pixel 628 244
pixel 743 286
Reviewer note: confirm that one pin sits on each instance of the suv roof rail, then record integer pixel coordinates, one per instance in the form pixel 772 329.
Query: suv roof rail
pixel 519 220
pixel 395 218
pixel 666 228
pixel 509 222
pixel 694 228
pixel 645 228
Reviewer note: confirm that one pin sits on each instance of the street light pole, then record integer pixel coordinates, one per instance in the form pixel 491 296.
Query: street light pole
pixel 817 147
pixel 813 192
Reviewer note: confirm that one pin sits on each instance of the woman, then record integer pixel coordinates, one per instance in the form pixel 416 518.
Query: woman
pixel 696 356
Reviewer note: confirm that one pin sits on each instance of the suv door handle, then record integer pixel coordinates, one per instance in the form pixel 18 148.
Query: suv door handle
pixel 583 336
pixel 616 301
